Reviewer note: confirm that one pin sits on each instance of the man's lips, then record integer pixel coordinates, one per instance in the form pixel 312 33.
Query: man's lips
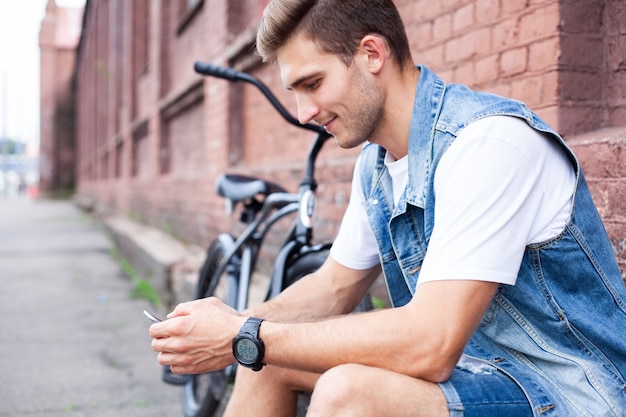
pixel 328 125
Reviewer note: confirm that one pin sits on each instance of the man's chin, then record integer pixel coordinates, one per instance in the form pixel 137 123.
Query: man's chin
pixel 349 144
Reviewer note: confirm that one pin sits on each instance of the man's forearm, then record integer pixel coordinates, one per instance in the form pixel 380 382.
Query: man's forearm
pixel 296 303
pixel 331 291
pixel 375 339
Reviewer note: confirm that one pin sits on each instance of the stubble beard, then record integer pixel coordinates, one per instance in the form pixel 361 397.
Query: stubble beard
pixel 366 120
pixel 366 128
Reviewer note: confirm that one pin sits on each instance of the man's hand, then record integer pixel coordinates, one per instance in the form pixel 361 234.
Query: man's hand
pixel 197 336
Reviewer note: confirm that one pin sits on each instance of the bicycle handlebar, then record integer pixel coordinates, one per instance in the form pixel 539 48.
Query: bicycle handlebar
pixel 231 74
pixel 303 230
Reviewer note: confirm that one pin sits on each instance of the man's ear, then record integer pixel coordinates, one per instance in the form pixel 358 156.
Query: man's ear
pixel 375 51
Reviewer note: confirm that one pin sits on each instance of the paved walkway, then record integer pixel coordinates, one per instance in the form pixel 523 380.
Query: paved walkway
pixel 73 342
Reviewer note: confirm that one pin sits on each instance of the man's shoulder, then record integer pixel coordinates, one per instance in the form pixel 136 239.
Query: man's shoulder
pixel 462 106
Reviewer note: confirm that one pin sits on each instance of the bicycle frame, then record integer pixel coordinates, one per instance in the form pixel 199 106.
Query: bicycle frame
pixel 250 240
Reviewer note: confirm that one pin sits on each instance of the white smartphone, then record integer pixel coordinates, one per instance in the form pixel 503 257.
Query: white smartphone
pixel 152 317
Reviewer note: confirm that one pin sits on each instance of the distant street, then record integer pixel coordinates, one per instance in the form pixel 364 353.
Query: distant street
pixel 73 341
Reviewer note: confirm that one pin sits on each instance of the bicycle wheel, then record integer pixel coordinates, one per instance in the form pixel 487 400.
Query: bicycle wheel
pixel 202 392
pixel 304 265
pixel 311 262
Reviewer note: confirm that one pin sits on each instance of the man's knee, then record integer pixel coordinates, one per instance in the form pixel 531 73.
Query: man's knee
pixel 276 377
pixel 338 390
pixel 269 375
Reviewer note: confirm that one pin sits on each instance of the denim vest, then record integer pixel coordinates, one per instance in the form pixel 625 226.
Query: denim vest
pixel 560 332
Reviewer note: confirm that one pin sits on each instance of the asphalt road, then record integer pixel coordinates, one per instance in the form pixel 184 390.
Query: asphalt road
pixel 73 341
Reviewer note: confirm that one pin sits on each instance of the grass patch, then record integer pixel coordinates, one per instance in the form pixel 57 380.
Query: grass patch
pixel 69 408
pixel 142 288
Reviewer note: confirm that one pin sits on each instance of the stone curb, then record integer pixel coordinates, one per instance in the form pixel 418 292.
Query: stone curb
pixel 170 265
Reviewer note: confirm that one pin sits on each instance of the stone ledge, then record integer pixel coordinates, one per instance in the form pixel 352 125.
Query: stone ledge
pixel 169 265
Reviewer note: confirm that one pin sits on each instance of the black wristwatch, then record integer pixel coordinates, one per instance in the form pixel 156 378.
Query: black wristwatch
pixel 248 349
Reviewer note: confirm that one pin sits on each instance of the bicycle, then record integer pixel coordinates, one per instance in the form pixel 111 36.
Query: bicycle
pixel 230 262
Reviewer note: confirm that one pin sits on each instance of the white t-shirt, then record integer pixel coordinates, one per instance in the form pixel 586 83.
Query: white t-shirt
pixel 500 186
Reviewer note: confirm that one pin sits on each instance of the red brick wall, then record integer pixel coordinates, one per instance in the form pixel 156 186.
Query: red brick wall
pixel 506 47
pixel 603 156
pixel 615 61
pixel 57 42
pixel 594 97
pixel 153 137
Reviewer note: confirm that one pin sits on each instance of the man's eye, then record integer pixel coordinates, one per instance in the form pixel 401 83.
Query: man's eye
pixel 313 85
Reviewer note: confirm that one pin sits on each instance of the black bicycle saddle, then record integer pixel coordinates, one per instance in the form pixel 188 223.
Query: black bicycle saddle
pixel 237 187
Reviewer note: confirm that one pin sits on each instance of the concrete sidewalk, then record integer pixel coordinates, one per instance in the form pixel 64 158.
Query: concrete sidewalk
pixel 74 341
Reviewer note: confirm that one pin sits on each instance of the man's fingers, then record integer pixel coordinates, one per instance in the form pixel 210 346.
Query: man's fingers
pixel 182 309
pixel 161 330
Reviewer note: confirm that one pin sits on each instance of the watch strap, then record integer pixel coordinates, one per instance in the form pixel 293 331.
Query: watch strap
pixel 251 326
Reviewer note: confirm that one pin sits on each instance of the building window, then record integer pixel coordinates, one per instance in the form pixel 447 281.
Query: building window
pixel 141 36
pixel 182 138
pixel 104 166
pixel 119 155
pixel 164 151
pixel 140 151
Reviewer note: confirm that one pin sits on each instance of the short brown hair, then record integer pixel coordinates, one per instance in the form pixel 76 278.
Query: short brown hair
pixel 336 26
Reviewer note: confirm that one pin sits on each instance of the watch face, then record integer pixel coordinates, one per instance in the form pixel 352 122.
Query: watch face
pixel 247 350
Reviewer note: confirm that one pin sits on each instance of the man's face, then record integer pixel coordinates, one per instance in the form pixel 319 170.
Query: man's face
pixel 344 99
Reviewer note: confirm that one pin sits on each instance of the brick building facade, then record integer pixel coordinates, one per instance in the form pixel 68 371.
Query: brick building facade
pixel 153 135
pixel 58 38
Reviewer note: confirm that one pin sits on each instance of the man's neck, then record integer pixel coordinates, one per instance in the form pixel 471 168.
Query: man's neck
pixel 394 135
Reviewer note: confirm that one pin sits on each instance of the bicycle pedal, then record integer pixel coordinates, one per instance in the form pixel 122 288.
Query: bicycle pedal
pixel 171 378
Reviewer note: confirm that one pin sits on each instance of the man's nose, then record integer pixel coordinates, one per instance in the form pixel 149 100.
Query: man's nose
pixel 307 110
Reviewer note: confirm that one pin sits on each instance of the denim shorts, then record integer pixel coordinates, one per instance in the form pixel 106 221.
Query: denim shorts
pixel 484 393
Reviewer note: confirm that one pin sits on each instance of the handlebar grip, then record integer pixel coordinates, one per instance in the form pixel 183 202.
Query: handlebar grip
pixel 216 71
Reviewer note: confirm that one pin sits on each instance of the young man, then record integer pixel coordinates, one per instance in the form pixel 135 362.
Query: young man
pixel 507 295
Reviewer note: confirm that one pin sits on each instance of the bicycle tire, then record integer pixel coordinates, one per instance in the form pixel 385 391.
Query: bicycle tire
pixel 202 393
pixel 311 262
pixel 304 265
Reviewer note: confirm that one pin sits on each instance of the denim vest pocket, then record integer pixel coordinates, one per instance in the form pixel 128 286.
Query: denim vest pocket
pixel 411 269
pixel 399 290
